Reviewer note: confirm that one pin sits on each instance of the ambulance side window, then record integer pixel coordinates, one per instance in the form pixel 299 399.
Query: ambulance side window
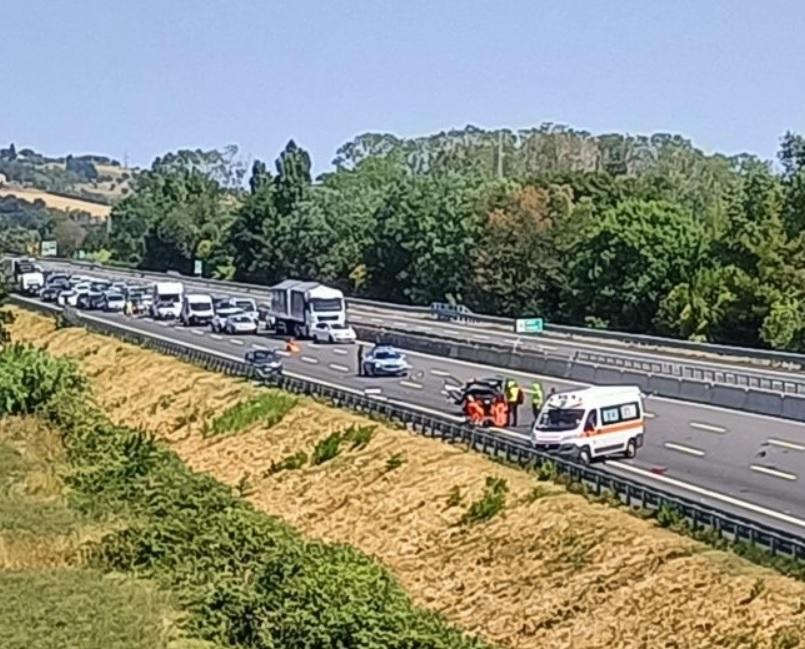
pixel 610 415
pixel 629 411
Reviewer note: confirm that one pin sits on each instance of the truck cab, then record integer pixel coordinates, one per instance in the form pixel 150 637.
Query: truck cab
pixel 591 422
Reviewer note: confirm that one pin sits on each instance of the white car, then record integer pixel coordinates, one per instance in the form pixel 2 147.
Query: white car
pixel 247 305
pixel 240 323
pixel 332 332
pixel 221 316
pixel 67 297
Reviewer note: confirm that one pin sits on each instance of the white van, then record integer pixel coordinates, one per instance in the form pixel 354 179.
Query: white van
pixel 592 422
pixel 196 309
pixel 167 300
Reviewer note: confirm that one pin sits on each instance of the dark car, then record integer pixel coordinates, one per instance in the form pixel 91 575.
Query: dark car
pixel 50 293
pixel 91 301
pixel 266 362
pixel 484 389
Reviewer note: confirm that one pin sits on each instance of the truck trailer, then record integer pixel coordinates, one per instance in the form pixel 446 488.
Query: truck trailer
pixel 298 306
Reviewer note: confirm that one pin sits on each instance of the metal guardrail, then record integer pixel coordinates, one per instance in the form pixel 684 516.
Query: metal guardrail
pixel 630 492
pixel 696 373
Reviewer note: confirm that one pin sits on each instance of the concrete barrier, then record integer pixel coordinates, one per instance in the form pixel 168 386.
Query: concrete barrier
pixel 665 386
pixel 729 396
pixel 694 391
pixel 793 407
pixel 738 397
pixel 762 401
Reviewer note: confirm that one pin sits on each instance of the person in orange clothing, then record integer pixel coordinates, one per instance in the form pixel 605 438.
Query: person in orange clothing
pixel 473 410
pixel 500 412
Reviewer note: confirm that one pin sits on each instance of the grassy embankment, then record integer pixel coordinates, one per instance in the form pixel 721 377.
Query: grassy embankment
pixel 242 579
pixel 549 569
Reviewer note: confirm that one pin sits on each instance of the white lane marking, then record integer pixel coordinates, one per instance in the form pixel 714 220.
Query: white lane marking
pixel 772 472
pixel 714 495
pixel 373 390
pixel 235 342
pixel 785 444
pixel 436 372
pixel 339 368
pixel 309 359
pixel 198 332
pixel 684 449
pixel 216 337
pixel 411 384
pixel 282 352
pixel 340 352
pixel 163 324
pixel 256 346
pixel 708 427
pixel 710 494
pixel 649 415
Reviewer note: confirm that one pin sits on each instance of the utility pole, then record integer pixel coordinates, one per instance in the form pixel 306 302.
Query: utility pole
pixel 500 155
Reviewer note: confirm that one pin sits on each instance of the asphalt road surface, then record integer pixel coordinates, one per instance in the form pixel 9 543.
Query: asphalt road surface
pixel 749 464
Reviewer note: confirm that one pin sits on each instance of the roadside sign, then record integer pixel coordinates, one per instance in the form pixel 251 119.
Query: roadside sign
pixel 48 249
pixel 197 267
pixel 529 325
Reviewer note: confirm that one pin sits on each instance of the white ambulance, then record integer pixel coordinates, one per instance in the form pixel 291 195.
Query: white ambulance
pixel 592 422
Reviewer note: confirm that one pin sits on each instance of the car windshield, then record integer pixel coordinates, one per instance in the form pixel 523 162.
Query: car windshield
pixel 114 297
pixel 246 305
pixel 168 299
pixel 559 419
pixel 340 327
pixel 240 319
pixel 387 355
pixel 335 304
pixel 199 306
pixel 267 356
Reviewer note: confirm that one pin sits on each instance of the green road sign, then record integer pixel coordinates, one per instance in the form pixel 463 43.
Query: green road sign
pixel 529 325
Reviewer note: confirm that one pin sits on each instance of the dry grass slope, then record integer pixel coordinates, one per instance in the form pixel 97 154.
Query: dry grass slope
pixel 553 571
pixel 57 202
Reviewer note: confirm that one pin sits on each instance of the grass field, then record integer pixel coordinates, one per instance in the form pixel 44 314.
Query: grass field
pixel 549 569
pixel 49 600
pixel 57 202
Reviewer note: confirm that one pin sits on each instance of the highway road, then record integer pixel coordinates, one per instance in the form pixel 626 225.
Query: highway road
pixel 671 361
pixel 749 464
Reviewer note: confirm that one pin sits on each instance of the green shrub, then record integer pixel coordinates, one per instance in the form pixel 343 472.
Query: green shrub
pixel 668 516
pixel 547 471
pixel 288 463
pixel 30 378
pixel 270 407
pixel 454 498
pixel 491 502
pixel 395 461
pixel 359 436
pixel 327 448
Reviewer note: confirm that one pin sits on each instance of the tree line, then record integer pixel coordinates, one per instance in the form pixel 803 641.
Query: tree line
pixel 640 234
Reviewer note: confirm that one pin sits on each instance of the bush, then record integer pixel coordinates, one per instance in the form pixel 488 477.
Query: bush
pixel 30 378
pixel 327 449
pixel 395 461
pixel 289 463
pixel 360 436
pixel 270 407
pixel 491 502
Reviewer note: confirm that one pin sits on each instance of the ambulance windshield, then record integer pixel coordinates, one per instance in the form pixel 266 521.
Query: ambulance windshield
pixel 559 419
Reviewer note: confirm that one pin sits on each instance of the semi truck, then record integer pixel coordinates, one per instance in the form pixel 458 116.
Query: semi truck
pixel 297 306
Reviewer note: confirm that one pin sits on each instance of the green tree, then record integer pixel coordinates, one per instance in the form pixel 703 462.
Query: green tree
pixel 626 262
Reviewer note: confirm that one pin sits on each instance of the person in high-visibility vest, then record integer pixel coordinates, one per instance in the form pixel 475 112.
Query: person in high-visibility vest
pixel 537 397
pixel 514 397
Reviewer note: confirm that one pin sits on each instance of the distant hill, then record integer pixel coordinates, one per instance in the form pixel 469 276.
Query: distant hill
pixel 90 183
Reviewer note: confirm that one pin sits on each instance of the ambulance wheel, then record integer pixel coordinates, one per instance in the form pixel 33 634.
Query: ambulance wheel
pixel 584 455
pixel 631 449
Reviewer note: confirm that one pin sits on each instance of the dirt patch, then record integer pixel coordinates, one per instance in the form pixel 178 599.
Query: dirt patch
pixel 552 570
pixel 57 202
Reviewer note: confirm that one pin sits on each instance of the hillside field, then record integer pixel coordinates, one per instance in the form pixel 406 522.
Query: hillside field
pixel 56 202
pixel 551 570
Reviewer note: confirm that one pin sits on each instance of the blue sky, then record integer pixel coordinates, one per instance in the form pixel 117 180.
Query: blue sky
pixel 144 77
